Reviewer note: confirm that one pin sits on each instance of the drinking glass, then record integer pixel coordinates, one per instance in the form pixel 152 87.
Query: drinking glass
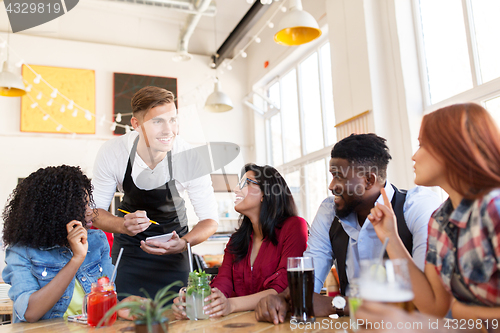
pixel 354 302
pixel 192 297
pixel 387 282
pixel 300 272
pixel 101 298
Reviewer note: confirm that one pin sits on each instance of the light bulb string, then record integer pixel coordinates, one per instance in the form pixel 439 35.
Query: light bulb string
pixel 45 113
pixel 258 32
pixel 77 106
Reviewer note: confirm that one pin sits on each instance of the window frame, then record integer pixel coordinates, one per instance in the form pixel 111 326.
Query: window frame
pixel 480 92
pixel 304 159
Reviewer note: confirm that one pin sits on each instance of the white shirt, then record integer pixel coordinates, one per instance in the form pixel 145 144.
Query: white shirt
pixel 420 203
pixel 111 164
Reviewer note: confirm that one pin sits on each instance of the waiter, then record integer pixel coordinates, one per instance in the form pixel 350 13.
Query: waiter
pixel 142 164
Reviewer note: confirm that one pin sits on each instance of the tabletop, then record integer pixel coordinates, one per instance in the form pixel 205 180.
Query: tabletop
pixel 241 322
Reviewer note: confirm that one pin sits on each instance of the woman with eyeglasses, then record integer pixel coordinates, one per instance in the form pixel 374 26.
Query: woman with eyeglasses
pixel 255 258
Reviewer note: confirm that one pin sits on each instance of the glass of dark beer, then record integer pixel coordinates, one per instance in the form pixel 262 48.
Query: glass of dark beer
pixel 387 282
pixel 301 283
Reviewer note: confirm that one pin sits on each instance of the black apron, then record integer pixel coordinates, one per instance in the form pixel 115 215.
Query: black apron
pixel 138 269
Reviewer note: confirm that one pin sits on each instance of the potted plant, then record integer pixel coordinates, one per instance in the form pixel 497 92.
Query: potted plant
pixel 147 313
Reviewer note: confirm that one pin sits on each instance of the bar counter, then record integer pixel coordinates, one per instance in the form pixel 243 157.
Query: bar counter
pixel 236 322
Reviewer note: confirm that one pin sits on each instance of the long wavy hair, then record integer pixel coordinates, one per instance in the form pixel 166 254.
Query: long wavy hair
pixel 40 206
pixel 277 205
pixel 466 139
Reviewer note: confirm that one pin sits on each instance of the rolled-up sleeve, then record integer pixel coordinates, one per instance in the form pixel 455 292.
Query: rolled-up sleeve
pixel 17 273
pixel 294 242
pixel 319 246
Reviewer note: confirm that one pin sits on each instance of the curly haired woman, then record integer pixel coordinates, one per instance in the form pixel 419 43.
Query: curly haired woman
pixel 52 259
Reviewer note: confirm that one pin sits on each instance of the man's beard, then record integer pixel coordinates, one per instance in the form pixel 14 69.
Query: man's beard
pixel 348 208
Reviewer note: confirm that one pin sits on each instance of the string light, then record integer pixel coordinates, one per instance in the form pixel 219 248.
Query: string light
pixel 256 37
pixel 71 104
pixel 46 117
pixel 101 122
pixel 118 117
pixel 127 129
pixel 88 116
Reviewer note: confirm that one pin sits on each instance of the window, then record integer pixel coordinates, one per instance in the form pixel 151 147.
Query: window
pixel 302 131
pixel 460 52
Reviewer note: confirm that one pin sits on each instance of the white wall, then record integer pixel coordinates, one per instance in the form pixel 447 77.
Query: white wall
pixel 24 153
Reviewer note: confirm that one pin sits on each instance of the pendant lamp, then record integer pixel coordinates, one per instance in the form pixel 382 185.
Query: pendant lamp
pixel 297 26
pixel 218 101
pixel 11 85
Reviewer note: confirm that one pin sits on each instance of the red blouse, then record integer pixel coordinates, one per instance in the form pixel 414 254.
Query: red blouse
pixel 269 267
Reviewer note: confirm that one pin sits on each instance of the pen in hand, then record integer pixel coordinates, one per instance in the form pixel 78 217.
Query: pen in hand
pixel 124 211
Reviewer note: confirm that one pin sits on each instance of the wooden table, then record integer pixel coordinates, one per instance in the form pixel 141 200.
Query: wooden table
pixel 236 322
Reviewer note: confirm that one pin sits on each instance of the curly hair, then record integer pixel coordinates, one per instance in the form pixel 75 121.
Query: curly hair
pixel 40 206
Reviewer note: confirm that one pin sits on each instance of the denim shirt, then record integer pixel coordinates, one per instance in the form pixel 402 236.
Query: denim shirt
pixel 29 269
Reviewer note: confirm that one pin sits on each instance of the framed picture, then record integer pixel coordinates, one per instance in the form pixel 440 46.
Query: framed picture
pixel 126 85
pixel 45 111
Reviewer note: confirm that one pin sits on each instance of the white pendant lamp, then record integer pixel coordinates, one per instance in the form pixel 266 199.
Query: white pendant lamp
pixel 11 85
pixel 297 26
pixel 218 101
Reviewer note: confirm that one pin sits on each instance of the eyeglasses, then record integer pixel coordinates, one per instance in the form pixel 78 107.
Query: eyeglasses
pixel 244 182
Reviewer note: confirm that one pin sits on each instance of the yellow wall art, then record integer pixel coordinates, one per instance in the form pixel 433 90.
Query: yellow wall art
pixel 44 110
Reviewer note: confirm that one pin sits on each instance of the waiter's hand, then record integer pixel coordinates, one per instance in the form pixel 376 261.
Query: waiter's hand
pixel 174 245
pixel 135 223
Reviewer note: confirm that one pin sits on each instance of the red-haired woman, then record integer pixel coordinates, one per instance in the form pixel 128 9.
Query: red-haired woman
pixel 459 152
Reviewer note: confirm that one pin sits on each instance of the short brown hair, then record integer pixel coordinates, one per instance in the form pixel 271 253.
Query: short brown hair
pixel 150 97
pixel 466 139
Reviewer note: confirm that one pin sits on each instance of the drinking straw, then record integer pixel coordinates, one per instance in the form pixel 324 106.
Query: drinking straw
pixel 124 211
pixel 190 257
pixel 116 265
pixel 381 255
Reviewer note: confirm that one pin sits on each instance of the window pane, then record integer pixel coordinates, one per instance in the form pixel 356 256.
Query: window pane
pixel 290 114
pixel 445 46
pixel 326 66
pixel 493 106
pixel 487 28
pixel 309 77
pixel 276 145
pixel 316 187
pixel 293 181
pixel 274 93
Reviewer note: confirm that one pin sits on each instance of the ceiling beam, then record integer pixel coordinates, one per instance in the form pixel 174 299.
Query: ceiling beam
pixel 239 32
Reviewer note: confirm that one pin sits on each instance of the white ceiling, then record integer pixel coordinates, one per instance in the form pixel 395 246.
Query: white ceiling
pixel 151 27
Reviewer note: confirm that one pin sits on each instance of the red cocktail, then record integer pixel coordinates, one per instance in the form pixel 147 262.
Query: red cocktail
pixel 99 301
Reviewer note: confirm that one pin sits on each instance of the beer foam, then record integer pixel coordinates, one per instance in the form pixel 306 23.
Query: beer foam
pixel 385 293
pixel 298 269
